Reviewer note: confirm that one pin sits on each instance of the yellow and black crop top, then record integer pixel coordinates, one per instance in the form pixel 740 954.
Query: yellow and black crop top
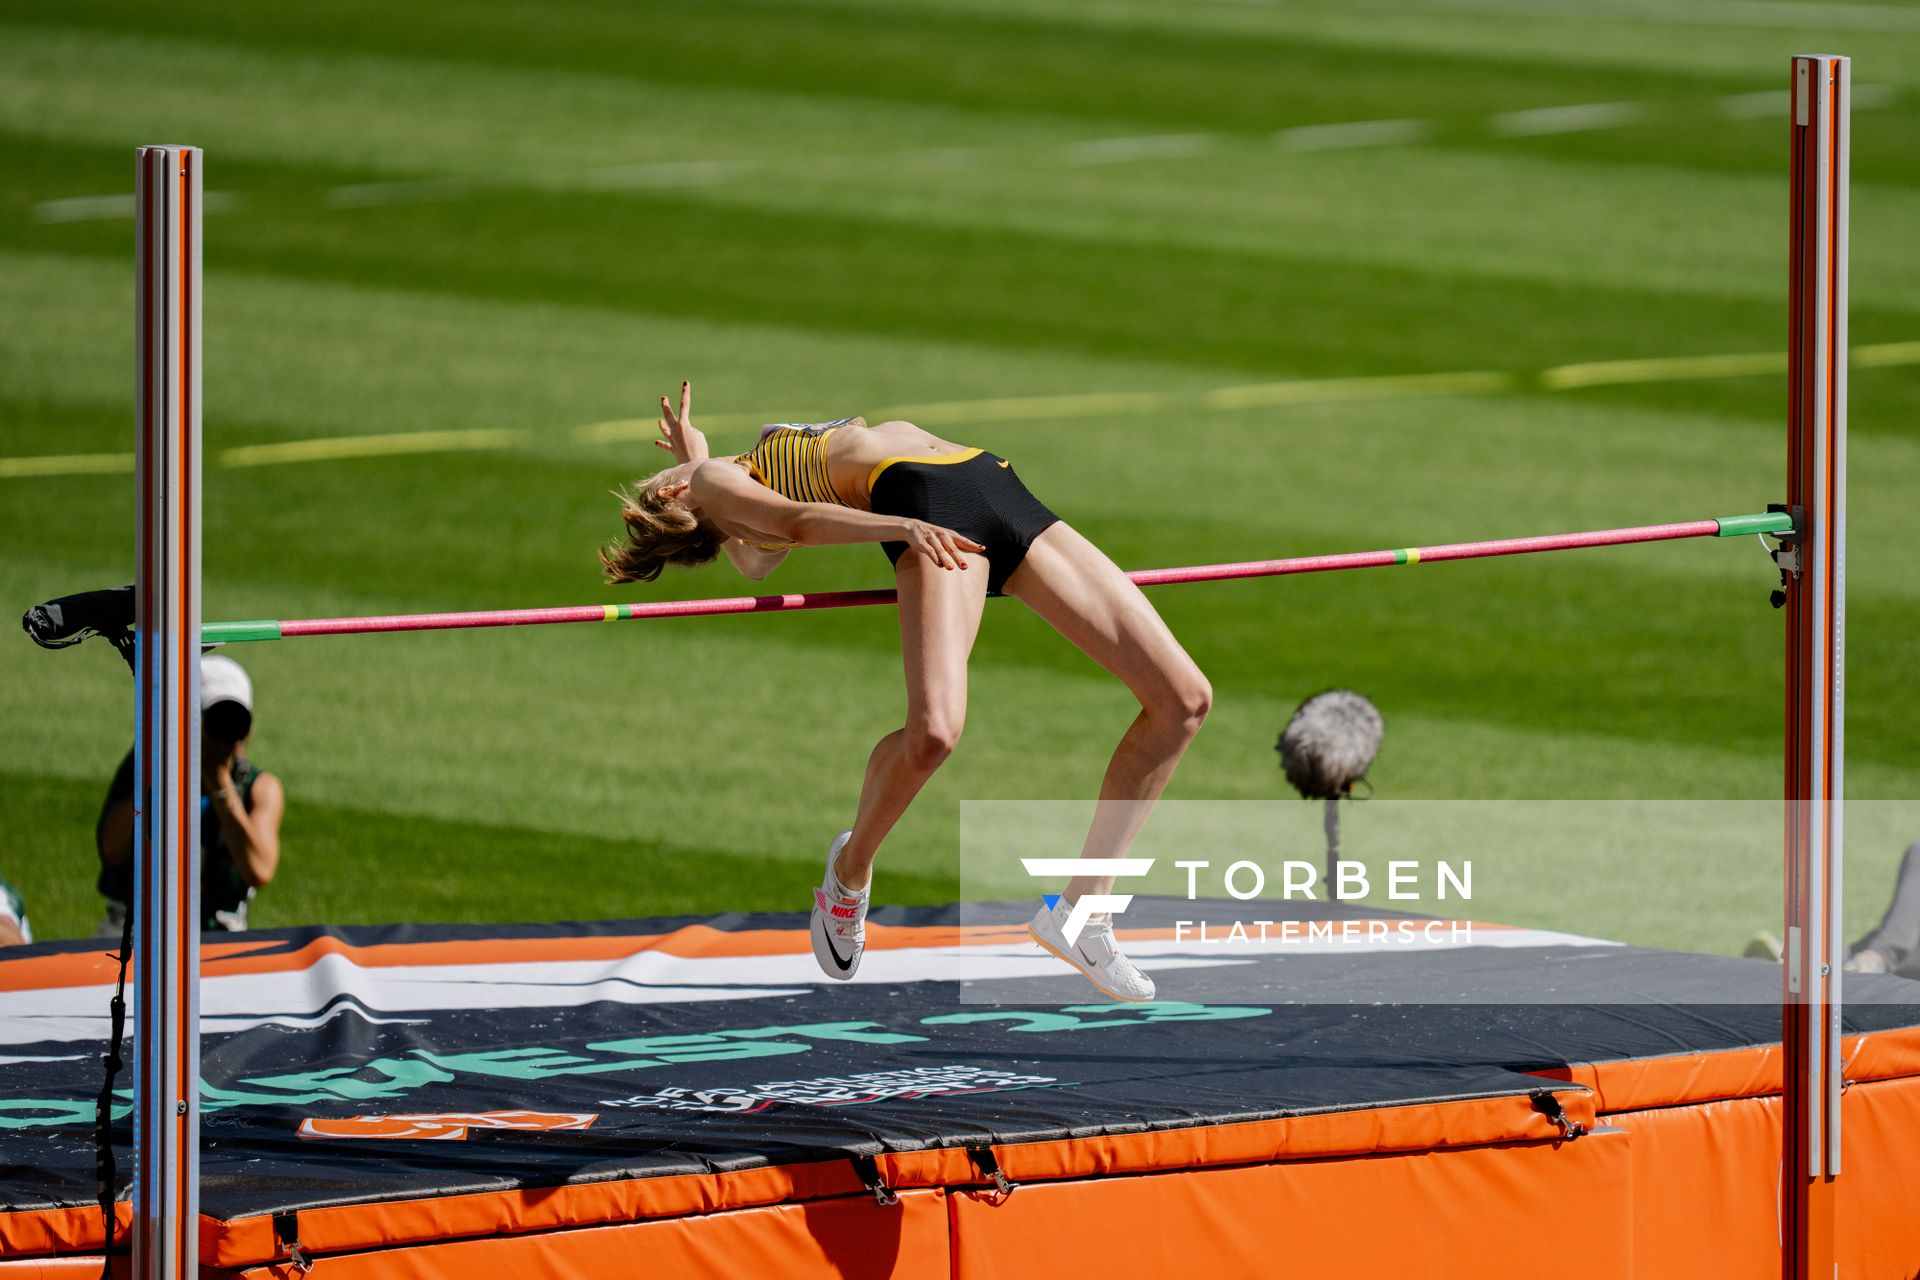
pixel 791 460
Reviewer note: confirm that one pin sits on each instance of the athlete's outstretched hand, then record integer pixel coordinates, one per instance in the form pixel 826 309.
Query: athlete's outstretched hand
pixel 678 434
pixel 942 546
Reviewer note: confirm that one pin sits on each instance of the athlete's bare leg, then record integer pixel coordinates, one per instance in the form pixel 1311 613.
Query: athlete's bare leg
pixel 1086 598
pixel 939 618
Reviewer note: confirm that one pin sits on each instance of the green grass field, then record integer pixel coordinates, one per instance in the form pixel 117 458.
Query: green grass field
pixel 520 224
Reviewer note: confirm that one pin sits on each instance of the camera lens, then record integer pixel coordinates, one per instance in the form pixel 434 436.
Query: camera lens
pixel 226 721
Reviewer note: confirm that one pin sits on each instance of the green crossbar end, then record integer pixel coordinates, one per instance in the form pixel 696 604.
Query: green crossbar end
pixel 1741 526
pixel 235 632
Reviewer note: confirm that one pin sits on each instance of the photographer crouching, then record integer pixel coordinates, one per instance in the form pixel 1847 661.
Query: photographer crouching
pixel 240 810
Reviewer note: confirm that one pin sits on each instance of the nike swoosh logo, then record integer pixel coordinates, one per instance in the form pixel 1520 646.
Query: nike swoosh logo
pixel 1005 463
pixel 833 951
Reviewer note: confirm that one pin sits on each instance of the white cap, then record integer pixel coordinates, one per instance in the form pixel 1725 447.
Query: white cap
pixel 224 680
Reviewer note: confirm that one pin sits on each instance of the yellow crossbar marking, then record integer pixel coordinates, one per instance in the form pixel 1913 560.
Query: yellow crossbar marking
pixel 69 464
pixel 329 448
pixel 1566 377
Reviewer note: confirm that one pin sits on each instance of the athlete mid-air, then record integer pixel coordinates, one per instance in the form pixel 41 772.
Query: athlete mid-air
pixel 958 525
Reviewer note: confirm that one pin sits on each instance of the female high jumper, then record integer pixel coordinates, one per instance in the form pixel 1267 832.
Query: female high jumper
pixel 959 526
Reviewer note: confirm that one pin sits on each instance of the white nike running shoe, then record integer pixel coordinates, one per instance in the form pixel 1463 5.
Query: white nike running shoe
pixel 1094 953
pixel 839 920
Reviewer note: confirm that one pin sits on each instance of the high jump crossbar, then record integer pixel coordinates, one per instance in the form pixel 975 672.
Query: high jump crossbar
pixel 168 632
pixel 1774 522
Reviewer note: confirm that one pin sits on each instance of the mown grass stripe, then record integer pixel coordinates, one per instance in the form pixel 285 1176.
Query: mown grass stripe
pixel 1569 377
pixel 695 172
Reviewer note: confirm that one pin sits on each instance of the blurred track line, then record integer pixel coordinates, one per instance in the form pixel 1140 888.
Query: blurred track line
pixel 1574 119
pixel 374 195
pixel 622 429
pixel 69 464
pixel 1358 133
pixel 100 208
pixel 1159 146
pixel 1330 390
pixel 1883 354
pixel 1568 377
pixel 1771 104
pixel 329 448
pixel 1092 404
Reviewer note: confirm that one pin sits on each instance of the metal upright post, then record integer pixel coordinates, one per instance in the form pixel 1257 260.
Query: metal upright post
pixel 166 850
pixel 1816 604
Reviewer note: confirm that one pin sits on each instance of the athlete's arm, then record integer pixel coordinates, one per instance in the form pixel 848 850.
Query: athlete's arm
pixel 753 562
pixel 744 508
pixel 253 839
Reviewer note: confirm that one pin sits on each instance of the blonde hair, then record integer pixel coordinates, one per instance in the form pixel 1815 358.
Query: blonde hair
pixel 659 533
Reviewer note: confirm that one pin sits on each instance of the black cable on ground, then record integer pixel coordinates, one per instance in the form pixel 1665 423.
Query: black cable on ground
pixel 105 1168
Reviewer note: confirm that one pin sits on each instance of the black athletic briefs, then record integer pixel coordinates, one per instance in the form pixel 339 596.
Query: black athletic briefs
pixel 974 494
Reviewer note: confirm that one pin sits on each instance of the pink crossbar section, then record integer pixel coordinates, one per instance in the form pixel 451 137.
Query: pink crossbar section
pixel 583 613
pixel 1422 555
pixel 856 599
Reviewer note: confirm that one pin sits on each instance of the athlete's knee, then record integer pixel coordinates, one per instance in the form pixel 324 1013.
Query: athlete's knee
pixel 930 740
pixel 1196 699
pixel 1186 702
